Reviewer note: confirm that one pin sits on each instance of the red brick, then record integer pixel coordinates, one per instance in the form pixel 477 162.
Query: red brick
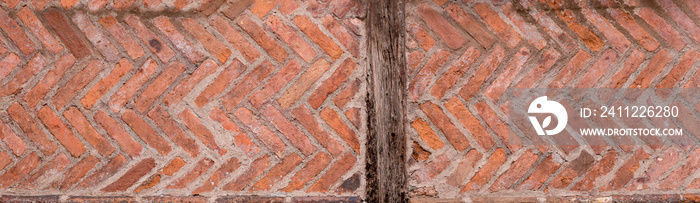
pixel 233 10
pixel 81 124
pixel 339 168
pixel 19 170
pixel 241 140
pixel 12 3
pixel 235 38
pixel 575 168
pixel 353 115
pixel 96 5
pixel 262 132
pixel 631 64
pixel 262 7
pixel 68 4
pixel 35 26
pixel 659 166
pixel 442 28
pixel 545 62
pixel 123 4
pixel 9 62
pixel 78 82
pixel 292 38
pixel 119 98
pixel 226 168
pixel 314 32
pixel 5 160
pixel 286 128
pixel 485 70
pixel 131 176
pixel 255 169
pixel 105 172
pixel 608 30
pixel 155 44
pixel 448 79
pixel 208 41
pixel 61 132
pixel 675 178
pixel 340 8
pixel 126 142
pixel 94 35
pixel 440 120
pixel 146 133
pixel 50 79
pixel 432 169
pixel 463 168
pixel 75 173
pixel 246 85
pixel 334 121
pixel 498 127
pixel 347 94
pixel 312 168
pixel 263 39
pixel 306 118
pixel 181 90
pixel 420 35
pixel 533 36
pixel 349 41
pixel 272 86
pixel 427 134
pixel 637 32
pixel 70 38
pixel 427 73
pixel 207 8
pixel 30 128
pixel 222 81
pixel 517 169
pixel 681 18
pixel 655 66
pixel 603 167
pixel 158 86
pixel 341 74
pixel 287 6
pixel 45 173
pixel 660 26
pixel 16 34
pixel 303 83
pixel 597 70
pixel 686 62
pixel 481 177
pixel 200 168
pixel 186 47
pixel 12 141
pixel 162 118
pixel 505 32
pixel 120 35
pixel 508 75
pixel 571 70
pixel 279 171
pixel 104 85
pixel 471 25
pixel 172 167
pixel 200 131
pixel 586 35
pixel 550 27
pixel 626 171
pixel 546 168
pixel 16 84
pixel 478 131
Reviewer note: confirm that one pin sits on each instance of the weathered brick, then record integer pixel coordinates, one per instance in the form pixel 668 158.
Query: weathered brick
pixel 246 85
pixel 306 118
pixel 303 83
pixel 16 34
pixel 163 119
pixel 631 64
pixel 339 167
pixel 45 173
pixel 427 134
pixel 37 28
pixel 626 20
pixel 572 69
pixel 293 134
pixel 158 86
pixel 14 142
pixel 464 168
pixel 76 172
pixel 82 125
pixel 234 38
pixel 30 128
pixel 155 44
pixel 9 62
pixel 490 17
pixel 314 32
pixel 532 36
pixel 263 39
pixel 96 37
pixel 347 94
pixel 168 170
pixel 678 71
pixel 50 79
pixel 199 130
pixel 201 167
pixel 126 142
pixel 517 169
pixel 263 133
pixel 655 66
pixel 59 130
pixel 675 178
pixel 105 172
pixel 660 26
pixel 471 25
pixel 478 131
pixel 681 18
pixel 508 75
pixel 255 169
pixel 545 62
pixel 427 73
pixel 122 37
pixel 291 37
pixel 432 169
pixel 603 167
pixel 185 87
pixel 279 171
pixel 240 139
pixel 233 10
pixel 131 176
pixel 442 28
pixel 16 84
pixel 167 27
pixel 349 41
pixel 482 73
pixel 146 133
pixel 546 168
pixel 458 141
pixel 119 98
pixel 208 41
pixel 226 168
pixel 77 83
pixel 448 79
pixel 274 84
pixel 597 70
pixel 312 168
pixel 658 166
pixel 19 170
pixel 336 123
pixel 341 74
pixel 104 85
pixel 481 177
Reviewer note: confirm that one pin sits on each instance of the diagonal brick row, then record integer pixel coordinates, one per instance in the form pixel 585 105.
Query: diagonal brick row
pixel 464 55
pixel 213 98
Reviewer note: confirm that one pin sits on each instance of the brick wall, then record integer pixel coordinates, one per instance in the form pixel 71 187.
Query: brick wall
pixel 176 98
pixel 463 55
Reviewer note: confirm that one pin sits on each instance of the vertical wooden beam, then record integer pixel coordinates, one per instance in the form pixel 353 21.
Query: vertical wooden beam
pixel 386 140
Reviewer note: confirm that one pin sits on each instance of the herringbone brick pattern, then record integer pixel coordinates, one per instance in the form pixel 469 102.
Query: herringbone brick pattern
pixel 181 97
pixel 463 55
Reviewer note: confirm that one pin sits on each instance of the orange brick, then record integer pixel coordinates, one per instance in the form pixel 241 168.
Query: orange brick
pixel 272 86
pixel 341 74
pixel 575 168
pixel 186 47
pixel 676 177
pixel 200 131
pixel 59 130
pixel 162 118
pixel 97 91
pixel 166 171
pixel 16 34
pixel 240 139
pixel 486 172
pixel 263 133
pixel 208 41
pixel 286 128
pixel 43 175
pixel 349 41
pixel 255 169
pixel 478 131
pixel 421 36
pixel 443 123
pixel 291 37
pixel 279 171
pixel 222 81
pixel 545 62
pixel 631 64
pixel 81 124
pixel 314 32
pixel 78 82
pixel 347 94
pixel 19 170
pixel 312 168
pixel 353 115
pixel 146 133
pixel 678 71
pixel 448 79
pixel 155 44
pixel 103 173
pixel 546 168
pixel 262 38
pixel 427 73
pixel 120 35
pixel 226 168
pixel 431 169
pixel 463 168
pixel 303 83
pixel 50 79
pixel 471 25
pixel 119 98
pixel 427 134
pixel 515 172
pixel 508 75
pixel 98 39
pixel 70 38
pixel 306 118
pixel 637 32
pixel 334 121
pixel 39 31
pixel 442 28
pixel 158 86
pixel 235 38
pixel 126 142
pixel 123 4
pixel 201 167
pixel 573 68
pixel 655 66
pixel 608 30
pixel 30 128
pixel 660 26
pixel 505 32
pixel 681 18
pixel 75 173
pixel 9 62
pixel 339 168
pixel 533 36
pixel 14 142
pixel 246 85
pixel 185 87
pixel 131 176
pixel 33 66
